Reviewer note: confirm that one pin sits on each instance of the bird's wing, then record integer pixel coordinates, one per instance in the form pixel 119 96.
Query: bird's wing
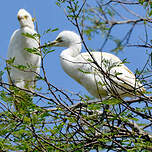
pixel 97 60
pixel 99 57
pixel 109 64
pixel 13 44
pixel 128 78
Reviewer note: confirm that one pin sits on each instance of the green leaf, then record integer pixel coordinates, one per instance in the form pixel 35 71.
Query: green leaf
pixel 118 73
pixel 85 72
pixel 110 12
pixel 111 101
pixel 49 52
pixel 1 74
pixel 150 13
pixel 48 30
pixel 56 29
pixel 34 36
pixel 10 61
pixel 33 51
pixel 125 61
pixel 141 2
pixel 21 67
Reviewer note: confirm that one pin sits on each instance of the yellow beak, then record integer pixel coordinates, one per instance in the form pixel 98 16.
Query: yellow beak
pixel 53 43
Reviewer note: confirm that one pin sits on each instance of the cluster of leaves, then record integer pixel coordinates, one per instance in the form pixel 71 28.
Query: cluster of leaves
pixel 77 127
pixel 147 5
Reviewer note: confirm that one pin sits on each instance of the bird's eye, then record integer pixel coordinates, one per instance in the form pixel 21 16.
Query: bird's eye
pixel 25 16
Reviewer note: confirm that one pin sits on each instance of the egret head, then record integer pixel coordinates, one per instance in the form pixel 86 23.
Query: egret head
pixel 67 39
pixel 25 18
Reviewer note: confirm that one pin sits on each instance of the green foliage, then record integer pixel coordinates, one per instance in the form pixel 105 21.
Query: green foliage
pixel 33 51
pixel 46 51
pixel 59 2
pixel 10 61
pixel 35 36
pixel 86 72
pixel 112 101
pixel 50 30
pixel 147 5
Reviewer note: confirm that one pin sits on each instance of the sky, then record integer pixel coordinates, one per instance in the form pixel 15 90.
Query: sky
pixel 49 15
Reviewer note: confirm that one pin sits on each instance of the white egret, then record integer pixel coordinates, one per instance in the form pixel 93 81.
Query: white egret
pixel 23 77
pixel 101 73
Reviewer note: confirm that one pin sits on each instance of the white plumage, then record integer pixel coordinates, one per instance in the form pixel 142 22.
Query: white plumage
pixel 109 77
pixel 25 78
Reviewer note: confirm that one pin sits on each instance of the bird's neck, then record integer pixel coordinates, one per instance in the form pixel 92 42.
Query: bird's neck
pixel 71 51
pixel 31 26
